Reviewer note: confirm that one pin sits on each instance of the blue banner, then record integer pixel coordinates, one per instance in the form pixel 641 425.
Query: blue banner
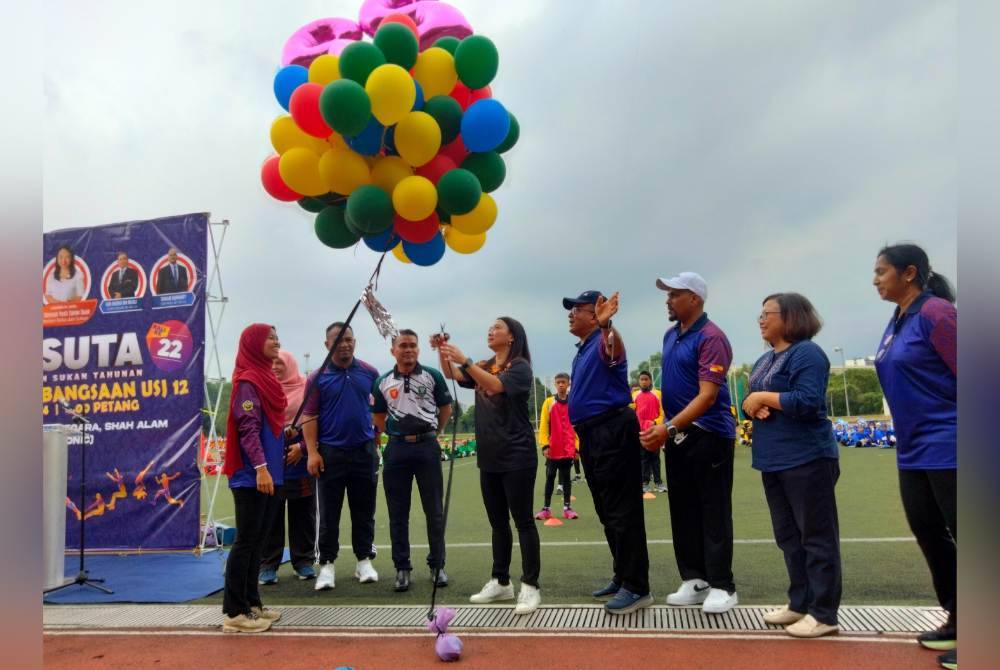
pixel 123 313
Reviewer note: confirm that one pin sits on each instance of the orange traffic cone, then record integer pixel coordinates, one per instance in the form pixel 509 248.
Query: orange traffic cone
pixel 649 495
pixel 553 522
pixel 572 498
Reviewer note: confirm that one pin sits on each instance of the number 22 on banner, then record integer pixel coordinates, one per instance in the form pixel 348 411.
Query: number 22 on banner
pixel 170 345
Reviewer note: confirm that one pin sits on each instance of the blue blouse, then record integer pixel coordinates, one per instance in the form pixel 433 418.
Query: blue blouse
pixel 800 431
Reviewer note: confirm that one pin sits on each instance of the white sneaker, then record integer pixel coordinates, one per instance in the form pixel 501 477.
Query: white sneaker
pixel 326 580
pixel 365 572
pixel 719 601
pixel 528 599
pixel 691 592
pixel 493 592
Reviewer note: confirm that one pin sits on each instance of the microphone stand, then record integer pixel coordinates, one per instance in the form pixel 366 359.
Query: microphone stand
pixel 82 577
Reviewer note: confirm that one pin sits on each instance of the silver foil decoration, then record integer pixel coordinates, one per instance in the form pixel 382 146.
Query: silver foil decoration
pixel 380 315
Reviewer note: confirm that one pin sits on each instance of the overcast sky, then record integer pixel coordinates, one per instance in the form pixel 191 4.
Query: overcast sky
pixel 768 145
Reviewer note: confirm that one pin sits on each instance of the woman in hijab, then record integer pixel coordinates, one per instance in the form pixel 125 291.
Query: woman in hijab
pixel 253 464
pixel 297 491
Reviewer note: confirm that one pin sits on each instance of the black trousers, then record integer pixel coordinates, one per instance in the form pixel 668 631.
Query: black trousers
pixel 402 462
pixel 609 450
pixel 650 466
pixel 700 483
pixel 354 471
pixel 254 512
pixel 298 497
pixel 804 516
pixel 510 495
pixel 562 466
pixel 930 500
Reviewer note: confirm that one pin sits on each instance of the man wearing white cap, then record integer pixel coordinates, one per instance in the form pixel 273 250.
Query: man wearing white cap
pixel 698 439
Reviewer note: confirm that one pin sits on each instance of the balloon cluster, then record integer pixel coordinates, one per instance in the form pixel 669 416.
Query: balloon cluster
pixel 395 142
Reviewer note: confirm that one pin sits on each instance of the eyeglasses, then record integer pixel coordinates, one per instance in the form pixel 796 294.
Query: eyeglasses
pixel 763 315
pixel 577 310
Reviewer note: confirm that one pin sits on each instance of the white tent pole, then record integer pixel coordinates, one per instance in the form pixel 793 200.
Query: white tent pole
pixel 215 307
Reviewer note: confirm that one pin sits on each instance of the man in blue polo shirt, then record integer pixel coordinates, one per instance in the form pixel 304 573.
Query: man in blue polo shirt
pixel 699 437
pixel 337 427
pixel 609 446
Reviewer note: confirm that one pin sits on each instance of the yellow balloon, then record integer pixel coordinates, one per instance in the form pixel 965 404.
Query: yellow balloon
pixel 392 93
pixel 389 171
pixel 400 255
pixel 343 171
pixel 324 69
pixel 462 243
pixel 336 140
pixel 479 220
pixel 286 135
pixel 435 71
pixel 299 168
pixel 415 198
pixel 418 137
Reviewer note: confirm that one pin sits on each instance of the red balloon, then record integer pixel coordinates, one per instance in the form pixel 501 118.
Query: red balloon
pixel 403 19
pixel 456 151
pixel 436 167
pixel 480 94
pixel 417 232
pixel 273 184
pixel 462 95
pixel 304 107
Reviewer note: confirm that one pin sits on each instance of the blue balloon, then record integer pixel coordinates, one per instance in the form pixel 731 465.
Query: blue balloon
pixel 384 241
pixel 390 141
pixel 485 125
pixel 418 104
pixel 425 254
pixel 287 80
pixel 369 141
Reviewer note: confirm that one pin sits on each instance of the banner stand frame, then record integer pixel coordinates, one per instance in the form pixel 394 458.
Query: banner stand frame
pixel 215 307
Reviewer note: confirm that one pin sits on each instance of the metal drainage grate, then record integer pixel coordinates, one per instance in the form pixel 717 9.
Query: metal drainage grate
pixel 555 617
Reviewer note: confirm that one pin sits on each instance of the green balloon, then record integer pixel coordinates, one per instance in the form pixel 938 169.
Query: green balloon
pixel 448 43
pixel 358 59
pixel 489 169
pixel 398 44
pixel 459 191
pixel 332 230
pixel 345 107
pixel 512 135
pixel 476 61
pixel 332 198
pixel 314 205
pixel 370 209
pixel 448 114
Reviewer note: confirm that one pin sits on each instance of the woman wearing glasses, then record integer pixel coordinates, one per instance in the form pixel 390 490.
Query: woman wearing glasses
pixel 797 455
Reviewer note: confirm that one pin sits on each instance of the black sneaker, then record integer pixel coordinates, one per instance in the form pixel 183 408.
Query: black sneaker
pixel 942 639
pixel 402 580
pixel 442 578
pixel 949 659
pixel 608 592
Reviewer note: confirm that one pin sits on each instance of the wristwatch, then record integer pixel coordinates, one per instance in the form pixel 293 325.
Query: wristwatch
pixel 606 327
pixel 465 365
pixel 671 431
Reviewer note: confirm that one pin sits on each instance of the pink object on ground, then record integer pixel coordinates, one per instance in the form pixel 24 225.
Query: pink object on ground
pixel 543 514
pixel 568 513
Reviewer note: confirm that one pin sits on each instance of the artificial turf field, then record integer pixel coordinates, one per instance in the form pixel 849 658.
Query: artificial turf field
pixel 880 571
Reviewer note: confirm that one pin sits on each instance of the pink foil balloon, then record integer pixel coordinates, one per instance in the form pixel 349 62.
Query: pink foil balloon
pixel 434 19
pixel 317 38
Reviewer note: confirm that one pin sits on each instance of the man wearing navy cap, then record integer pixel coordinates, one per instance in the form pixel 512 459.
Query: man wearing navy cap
pixel 699 437
pixel 609 446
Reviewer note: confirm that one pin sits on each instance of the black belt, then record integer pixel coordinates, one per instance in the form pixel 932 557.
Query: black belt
pixel 416 437
pixel 600 418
